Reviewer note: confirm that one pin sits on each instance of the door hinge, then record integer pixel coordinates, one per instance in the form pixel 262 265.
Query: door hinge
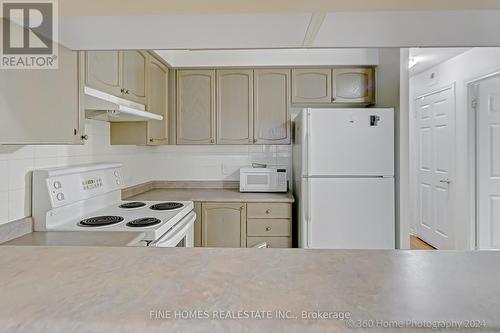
pixel 474 103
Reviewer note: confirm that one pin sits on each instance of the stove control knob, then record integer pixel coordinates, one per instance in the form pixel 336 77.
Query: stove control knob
pixel 60 196
pixel 57 185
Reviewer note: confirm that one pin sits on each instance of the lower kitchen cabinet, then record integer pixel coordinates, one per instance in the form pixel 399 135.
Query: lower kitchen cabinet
pixel 224 225
pixel 236 225
pixel 272 242
pixel 197 225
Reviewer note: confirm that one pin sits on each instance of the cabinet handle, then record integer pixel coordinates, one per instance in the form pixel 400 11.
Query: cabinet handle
pixel 254 140
pixel 212 141
pixel 333 99
pixel 84 137
pixel 123 91
pixel 242 207
pixel 268 211
pixel 268 228
pixel 127 92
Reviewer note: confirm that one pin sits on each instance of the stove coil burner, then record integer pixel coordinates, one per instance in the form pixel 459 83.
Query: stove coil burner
pixel 135 204
pixel 144 222
pixel 167 206
pixel 100 221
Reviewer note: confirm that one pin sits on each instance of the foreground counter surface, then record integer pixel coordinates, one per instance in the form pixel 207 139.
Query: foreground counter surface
pixel 95 289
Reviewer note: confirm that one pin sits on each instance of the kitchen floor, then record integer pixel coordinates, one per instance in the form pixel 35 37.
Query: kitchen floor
pixel 418 244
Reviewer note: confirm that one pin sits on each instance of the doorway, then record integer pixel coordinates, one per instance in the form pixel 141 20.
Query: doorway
pixel 485 104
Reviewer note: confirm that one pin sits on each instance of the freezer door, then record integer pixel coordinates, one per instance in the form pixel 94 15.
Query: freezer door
pixel 350 142
pixel 350 213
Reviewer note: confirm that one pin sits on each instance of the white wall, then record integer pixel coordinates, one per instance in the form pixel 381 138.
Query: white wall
pixel 388 95
pixel 140 164
pixel 459 70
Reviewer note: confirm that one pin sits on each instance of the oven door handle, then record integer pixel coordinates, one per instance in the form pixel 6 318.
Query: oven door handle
pixel 172 238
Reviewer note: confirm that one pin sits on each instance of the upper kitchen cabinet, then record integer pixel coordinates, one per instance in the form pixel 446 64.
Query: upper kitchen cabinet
pixel 103 71
pixel 196 107
pixel 135 76
pixel 271 106
pixel 153 132
pixel 119 73
pixel 42 106
pixel 353 85
pixel 235 106
pixel 311 86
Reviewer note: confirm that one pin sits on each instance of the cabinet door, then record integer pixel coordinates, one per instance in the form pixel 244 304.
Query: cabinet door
pixel 311 86
pixel 196 107
pixel 272 102
pixel 157 102
pixel 224 225
pixel 135 76
pixel 103 71
pixel 235 106
pixel 42 106
pixel 353 85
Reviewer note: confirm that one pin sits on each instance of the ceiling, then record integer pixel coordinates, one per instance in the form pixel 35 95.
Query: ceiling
pixel 171 7
pixel 281 30
pixel 430 57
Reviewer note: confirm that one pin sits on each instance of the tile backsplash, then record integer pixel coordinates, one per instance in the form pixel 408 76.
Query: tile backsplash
pixel 140 164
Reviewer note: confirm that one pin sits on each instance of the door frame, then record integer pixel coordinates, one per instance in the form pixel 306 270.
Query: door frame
pixel 414 149
pixel 472 141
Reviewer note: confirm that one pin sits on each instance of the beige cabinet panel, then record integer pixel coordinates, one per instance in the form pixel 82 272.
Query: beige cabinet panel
pixel 42 106
pixel 224 225
pixel 353 85
pixel 195 107
pixel 272 103
pixel 103 70
pixel 134 86
pixel 269 227
pixel 269 210
pixel 154 132
pixel 235 106
pixel 158 102
pixel 272 242
pixel 310 86
pixel 198 226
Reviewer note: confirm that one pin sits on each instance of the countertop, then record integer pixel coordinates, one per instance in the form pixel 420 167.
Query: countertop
pixel 210 195
pixel 90 289
pixel 77 238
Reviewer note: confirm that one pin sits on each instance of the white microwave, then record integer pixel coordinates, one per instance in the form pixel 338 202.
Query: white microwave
pixel 263 180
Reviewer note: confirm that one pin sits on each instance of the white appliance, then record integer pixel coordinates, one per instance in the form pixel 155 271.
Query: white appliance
pixel 263 180
pixel 344 178
pixel 102 106
pixel 88 198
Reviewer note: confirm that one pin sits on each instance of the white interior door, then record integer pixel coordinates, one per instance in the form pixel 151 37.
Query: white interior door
pixel 435 121
pixel 488 163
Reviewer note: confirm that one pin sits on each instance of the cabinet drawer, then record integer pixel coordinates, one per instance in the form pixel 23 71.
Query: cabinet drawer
pixel 269 210
pixel 268 227
pixel 272 242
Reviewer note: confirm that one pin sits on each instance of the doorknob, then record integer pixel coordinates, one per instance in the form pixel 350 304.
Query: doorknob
pixel 447 181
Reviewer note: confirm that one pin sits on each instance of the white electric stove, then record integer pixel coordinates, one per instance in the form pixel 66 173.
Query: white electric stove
pixel 88 198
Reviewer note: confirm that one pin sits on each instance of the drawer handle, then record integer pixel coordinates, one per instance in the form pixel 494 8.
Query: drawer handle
pixel 268 211
pixel 268 228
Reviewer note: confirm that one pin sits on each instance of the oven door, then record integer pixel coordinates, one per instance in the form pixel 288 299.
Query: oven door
pixel 181 235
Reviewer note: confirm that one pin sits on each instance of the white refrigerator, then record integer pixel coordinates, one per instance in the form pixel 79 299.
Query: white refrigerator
pixel 343 166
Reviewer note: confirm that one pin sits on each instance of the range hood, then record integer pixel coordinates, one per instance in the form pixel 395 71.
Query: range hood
pixel 102 106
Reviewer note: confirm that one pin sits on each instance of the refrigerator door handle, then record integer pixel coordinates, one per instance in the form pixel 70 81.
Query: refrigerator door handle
pixel 308 212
